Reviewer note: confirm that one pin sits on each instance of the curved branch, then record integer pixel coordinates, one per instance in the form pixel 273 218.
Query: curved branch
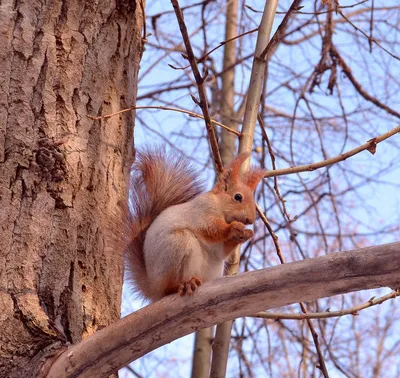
pixel 347 70
pixel 224 299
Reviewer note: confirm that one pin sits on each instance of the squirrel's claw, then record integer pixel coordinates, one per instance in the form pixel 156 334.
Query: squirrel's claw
pixel 187 288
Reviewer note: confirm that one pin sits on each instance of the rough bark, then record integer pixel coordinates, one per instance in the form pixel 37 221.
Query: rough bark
pixel 61 174
pixel 225 299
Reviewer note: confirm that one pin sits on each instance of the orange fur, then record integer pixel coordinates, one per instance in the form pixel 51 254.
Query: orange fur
pixel 253 178
pixel 236 164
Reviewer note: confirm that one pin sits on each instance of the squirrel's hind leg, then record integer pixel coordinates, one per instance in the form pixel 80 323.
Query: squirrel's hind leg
pixel 187 288
pixel 181 266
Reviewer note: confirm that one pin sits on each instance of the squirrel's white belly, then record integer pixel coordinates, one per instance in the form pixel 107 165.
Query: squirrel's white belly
pixel 178 250
pixel 214 261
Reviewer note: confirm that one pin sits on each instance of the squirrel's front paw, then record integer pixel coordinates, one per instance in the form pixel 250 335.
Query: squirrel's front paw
pixel 239 233
pixel 187 288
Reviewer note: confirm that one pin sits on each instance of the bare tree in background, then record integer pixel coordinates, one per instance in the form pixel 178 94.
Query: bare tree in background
pixel 330 85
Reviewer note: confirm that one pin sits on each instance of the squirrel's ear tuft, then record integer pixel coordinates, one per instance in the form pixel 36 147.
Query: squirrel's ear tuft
pixel 224 181
pixel 253 178
pixel 236 164
pixel 230 175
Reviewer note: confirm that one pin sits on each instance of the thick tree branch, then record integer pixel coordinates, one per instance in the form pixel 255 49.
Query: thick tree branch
pixel 228 298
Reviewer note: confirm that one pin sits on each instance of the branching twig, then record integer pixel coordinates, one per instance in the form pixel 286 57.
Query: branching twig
pixel 278 34
pixel 357 85
pixel 223 43
pixel 200 81
pixel 328 314
pixel 370 146
pixel 370 38
pixel 192 114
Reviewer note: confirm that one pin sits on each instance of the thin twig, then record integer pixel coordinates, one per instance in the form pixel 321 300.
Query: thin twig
pixel 200 81
pixel 192 114
pixel 370 146
pixel 223 43
pixel 137 375
pixel 328 314
pixel 311 13
pixel 357 85
pixel 204 57
pixel 157 15
pixel 370 38
pixel 279 32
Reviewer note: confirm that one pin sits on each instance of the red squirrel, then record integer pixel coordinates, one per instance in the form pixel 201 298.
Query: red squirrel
pixel 180 235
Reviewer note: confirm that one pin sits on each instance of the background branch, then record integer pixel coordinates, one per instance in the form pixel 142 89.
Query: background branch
pixel 370 146
pixel 223 331
pixel 200 82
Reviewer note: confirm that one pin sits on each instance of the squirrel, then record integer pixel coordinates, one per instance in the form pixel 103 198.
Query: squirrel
pixel 179 235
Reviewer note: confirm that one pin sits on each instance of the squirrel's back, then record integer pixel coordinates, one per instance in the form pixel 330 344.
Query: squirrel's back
pixel 158 180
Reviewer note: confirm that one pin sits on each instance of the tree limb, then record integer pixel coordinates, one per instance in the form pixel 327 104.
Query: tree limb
pixel 370 146
pixel 201 87
pixel 223 331
pixel 228 298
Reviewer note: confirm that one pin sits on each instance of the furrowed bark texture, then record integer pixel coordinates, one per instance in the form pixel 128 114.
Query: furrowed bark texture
pixel 61 174
pixel 228 298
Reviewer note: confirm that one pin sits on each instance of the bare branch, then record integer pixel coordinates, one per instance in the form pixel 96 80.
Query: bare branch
pixel 192 114
pixel 200 81
pixel 328 314
pixel 228 298
pixel 370 146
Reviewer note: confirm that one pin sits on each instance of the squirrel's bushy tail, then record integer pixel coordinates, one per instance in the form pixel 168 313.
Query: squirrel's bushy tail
pixel 158 180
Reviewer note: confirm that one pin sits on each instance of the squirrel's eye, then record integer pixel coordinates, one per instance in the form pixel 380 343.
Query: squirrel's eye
pixel 238 197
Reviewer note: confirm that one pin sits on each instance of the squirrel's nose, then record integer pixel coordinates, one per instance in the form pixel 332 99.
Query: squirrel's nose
pixel 248 221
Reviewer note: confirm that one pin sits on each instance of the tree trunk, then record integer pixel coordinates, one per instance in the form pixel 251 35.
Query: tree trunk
pixel 62 174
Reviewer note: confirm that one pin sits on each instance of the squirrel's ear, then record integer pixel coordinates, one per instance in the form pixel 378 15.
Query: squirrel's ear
pixel 253 178
pixel 236 164
pixel 224 181
pixel 230 175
